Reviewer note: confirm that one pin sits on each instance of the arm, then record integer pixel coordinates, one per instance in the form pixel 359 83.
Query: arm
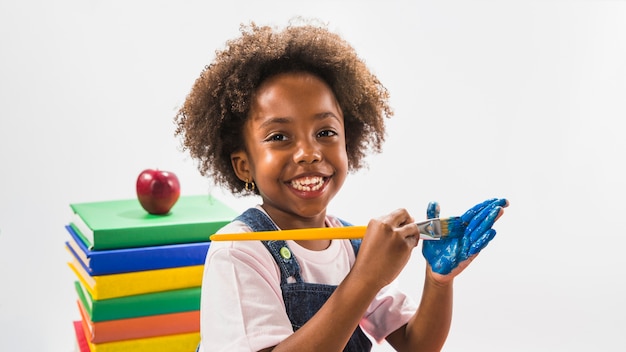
pixel 241 303
pixel 385 250
pixel 428 328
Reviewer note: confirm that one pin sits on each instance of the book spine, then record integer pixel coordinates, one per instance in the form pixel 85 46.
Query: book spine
pixel 171 343
pixel 155 236
pixel 128 284
pixel 117 261
pixel 142 327
pixel 81 338
pixel 173 301
pixel 74 225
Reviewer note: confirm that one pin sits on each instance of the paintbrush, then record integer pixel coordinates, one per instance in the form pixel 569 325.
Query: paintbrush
pixel 431 229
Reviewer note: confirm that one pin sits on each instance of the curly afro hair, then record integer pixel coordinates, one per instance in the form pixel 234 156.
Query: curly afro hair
pixel 212 118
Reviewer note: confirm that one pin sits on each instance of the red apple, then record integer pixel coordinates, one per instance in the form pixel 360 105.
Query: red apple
pixel 157 190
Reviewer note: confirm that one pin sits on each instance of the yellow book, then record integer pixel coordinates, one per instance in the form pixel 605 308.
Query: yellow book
pixel 166 343
pixel 138 282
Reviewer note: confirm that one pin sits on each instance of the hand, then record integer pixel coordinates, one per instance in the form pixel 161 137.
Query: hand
pixel 452 254
pixel 386 247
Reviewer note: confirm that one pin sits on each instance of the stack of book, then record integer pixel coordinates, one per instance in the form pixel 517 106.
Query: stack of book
pixel 139 275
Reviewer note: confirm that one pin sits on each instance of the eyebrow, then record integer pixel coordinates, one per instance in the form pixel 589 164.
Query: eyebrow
pixel 285 120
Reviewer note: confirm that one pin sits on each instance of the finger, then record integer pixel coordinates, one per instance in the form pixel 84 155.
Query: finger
pixel 480 216
pixel 482 222
pixel 433 210
pixel 410 233
pixel 400 217
pixel 476 209
pixel 500 214
pixel 503 203
pixel 478 220
pixel 467 217
pixel 482 242
pixel 411 240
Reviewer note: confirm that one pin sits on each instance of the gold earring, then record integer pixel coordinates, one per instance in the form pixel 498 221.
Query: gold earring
pixel 250 186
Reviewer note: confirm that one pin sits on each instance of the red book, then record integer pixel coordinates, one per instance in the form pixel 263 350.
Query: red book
pixel 81 339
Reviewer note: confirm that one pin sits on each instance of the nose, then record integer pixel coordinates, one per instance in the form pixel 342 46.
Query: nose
pixel 308 152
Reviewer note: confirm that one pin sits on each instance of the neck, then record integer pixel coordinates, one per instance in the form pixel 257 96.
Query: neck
pixel 288 222
pixel 315 245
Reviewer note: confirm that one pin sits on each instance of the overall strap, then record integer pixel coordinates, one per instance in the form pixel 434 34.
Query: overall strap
pixel 356 243
pixel 302 300
pixel 259 221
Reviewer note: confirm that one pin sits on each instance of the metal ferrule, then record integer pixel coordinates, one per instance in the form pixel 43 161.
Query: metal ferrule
pixel 429 229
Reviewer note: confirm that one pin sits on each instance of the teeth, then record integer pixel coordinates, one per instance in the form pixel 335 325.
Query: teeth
pixel 308 183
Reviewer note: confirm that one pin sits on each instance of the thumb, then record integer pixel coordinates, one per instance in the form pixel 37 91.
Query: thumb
pixel 433 210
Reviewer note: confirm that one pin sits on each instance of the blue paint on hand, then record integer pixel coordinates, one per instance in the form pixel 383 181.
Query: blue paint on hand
pixel 447 253
pixel 433 210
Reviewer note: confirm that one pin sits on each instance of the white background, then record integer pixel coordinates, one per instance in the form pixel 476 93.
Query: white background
pixel 516 99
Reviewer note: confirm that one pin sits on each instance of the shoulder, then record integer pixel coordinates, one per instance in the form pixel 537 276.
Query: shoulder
pixel 252 254
pixel 234 226
pixel 335 221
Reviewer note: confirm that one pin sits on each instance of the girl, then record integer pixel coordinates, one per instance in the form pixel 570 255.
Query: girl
pixel 286 114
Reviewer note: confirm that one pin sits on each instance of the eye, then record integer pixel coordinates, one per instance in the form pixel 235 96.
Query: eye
pixel 276 137
pixel 326 133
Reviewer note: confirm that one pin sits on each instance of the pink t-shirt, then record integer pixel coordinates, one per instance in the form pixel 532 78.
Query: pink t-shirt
pixel 242 308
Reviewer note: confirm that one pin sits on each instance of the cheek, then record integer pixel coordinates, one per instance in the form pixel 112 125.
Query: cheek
pixel 342 160
pixel 269 160
pixel 345 163
pixel 268 163
pixel 344 153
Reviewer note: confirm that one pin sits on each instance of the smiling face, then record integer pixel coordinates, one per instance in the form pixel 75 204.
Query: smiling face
pixel 296 149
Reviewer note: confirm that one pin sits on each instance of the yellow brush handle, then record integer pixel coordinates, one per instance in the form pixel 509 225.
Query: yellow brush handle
pixel 323 233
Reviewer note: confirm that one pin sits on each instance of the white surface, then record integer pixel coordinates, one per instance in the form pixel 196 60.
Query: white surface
pixel 519 99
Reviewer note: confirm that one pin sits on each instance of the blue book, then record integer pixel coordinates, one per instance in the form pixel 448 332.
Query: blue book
pixel 116 261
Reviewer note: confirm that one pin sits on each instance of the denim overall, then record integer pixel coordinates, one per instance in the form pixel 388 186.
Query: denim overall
pixel 302 299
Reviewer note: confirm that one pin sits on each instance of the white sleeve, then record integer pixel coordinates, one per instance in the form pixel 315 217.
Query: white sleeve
pixel 241 303
pixel 390 310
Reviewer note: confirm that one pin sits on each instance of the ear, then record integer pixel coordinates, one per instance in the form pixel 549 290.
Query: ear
pixel 241 165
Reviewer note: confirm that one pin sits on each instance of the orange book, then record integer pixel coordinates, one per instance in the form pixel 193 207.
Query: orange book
pixel 141 327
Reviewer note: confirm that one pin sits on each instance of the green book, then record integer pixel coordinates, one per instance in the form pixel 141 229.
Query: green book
pixel 117 224
pixel 164 302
